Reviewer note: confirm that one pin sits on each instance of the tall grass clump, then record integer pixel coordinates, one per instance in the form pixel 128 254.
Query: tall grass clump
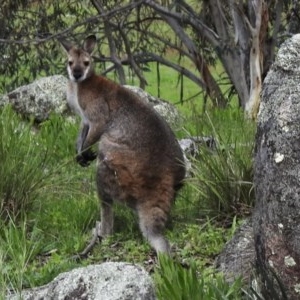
pixel 23 165
pixel 18 249
pixel 37 163
pixel 222 175
pixel 47 203
pixel 176 282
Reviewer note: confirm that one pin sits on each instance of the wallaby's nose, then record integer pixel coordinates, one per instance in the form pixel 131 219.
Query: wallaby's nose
pixel 77 73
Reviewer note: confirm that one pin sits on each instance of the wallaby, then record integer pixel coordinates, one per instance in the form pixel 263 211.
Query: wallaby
pixel 139 161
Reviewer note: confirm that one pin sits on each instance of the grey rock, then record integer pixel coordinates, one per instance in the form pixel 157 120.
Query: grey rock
pixel 191 149
pixel 191 145
pixel 238 255
pixel 107 281
pixel 40 98
pixel 276 221
pixel 268 257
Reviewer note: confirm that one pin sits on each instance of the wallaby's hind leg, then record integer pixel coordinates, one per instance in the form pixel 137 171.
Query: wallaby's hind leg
pixel 103 189
pixel 106 214
pixel 102 229
pixel 152 224
pixel 107 218
pixel 105 227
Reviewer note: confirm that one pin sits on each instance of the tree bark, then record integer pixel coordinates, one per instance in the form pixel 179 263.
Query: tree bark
pixel 276 219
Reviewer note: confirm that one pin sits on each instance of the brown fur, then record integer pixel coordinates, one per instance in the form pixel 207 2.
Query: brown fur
pixel 140 162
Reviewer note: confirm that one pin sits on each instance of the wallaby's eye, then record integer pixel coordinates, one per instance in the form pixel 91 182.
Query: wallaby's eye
pixel 70 63
pixel 86 63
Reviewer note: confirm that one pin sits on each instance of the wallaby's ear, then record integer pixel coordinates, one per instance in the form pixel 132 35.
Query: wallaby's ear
pixel 89 43
pixel 66 44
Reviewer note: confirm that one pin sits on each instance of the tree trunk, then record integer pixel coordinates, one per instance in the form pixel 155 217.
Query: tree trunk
pixel 276 219
pixel 258 34
pixel 252 104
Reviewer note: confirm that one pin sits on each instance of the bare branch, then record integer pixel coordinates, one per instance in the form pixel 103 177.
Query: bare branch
pixel 219 19
pixel 212 89
pixel 112 46
pixel 252 104
pixel 65 32
pixel 151 57
pixel 131 59
pixel 238 32
pixel 240 26
pixel 196 23
pixel 168 43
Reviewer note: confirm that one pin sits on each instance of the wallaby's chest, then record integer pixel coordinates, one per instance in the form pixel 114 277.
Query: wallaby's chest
pixel 73 100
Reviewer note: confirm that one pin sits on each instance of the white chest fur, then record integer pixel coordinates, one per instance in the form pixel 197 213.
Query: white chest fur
pixel 72 98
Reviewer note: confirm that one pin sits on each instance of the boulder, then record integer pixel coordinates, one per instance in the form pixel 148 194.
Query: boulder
pixel 238 255
pixel 40 98
pixel 109 281
pixel 267 252
pixel 276 222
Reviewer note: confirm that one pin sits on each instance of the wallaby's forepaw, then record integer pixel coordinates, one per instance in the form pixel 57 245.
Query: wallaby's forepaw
pixel 84 158
pixel 82 161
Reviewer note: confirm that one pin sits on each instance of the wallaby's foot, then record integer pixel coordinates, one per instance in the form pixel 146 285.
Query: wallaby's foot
pixel 95 238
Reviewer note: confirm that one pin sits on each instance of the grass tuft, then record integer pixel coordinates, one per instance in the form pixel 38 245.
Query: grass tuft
pixel 173 281
pixel 222 177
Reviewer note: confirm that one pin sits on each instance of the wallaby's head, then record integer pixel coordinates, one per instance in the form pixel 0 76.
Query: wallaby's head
pixel 79 59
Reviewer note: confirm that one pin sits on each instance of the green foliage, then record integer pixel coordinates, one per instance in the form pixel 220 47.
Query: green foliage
pixel 32 162
pixel 60 135
pixel 25 258
pixel 176 282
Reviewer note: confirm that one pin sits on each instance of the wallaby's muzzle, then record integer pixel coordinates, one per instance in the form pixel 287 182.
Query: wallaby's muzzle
pixel 77 73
